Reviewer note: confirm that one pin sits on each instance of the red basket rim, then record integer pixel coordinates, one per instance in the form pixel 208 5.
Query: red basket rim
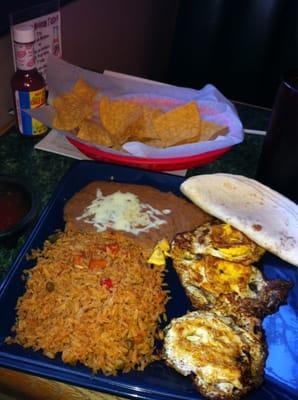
pixel 93 152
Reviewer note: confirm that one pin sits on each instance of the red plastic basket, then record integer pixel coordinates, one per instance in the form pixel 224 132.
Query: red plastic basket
pixel 155 164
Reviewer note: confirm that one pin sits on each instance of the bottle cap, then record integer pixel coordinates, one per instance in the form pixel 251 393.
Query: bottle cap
pixel 24 34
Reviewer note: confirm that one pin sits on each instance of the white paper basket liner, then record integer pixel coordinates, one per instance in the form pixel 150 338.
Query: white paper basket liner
pixel 213 107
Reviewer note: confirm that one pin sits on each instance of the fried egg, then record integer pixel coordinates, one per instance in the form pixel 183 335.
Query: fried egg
pixel 231 287
pixel 224 360
pixel 206 278
pixel 223 241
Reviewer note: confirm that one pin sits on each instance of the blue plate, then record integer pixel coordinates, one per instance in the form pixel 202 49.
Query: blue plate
pixel 157 381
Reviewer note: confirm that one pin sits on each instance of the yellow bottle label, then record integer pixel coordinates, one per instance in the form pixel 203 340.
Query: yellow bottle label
pixel 37 98
pixel 29 100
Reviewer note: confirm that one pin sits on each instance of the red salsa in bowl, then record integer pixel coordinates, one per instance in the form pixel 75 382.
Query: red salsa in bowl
pixel 17 206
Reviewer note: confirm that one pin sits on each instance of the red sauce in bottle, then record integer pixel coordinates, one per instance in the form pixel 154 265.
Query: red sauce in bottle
pixel 28 85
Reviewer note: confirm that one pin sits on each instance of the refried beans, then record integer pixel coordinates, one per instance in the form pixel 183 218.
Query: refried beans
pixel 180 215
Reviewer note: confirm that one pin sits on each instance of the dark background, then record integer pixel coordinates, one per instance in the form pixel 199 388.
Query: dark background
pixel 12 6
pixel 241 46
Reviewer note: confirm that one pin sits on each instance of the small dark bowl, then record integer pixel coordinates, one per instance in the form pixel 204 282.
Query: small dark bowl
pixel 18 207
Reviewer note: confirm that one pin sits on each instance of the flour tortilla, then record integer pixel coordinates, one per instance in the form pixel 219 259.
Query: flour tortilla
pixel 264 215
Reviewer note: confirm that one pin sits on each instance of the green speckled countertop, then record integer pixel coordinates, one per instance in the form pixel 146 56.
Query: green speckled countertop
pixel 43 170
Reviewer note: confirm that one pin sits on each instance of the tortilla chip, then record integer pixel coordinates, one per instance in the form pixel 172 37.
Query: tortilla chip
pixel 83 90
pixel 93 132
pixel 70 111
pixel 210 130
pixel 123 120
pixel 116 116
pixel 179 126
pixel 155 143
pixel 142 129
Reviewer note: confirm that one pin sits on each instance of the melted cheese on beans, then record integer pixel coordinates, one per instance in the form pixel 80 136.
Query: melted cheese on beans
pixel 122 211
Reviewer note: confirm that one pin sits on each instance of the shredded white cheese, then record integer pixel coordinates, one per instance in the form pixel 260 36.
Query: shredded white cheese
pixel 122 211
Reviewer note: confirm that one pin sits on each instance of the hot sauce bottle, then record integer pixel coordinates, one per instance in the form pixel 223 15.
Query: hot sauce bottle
pixel 28 85
pixel 56 43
